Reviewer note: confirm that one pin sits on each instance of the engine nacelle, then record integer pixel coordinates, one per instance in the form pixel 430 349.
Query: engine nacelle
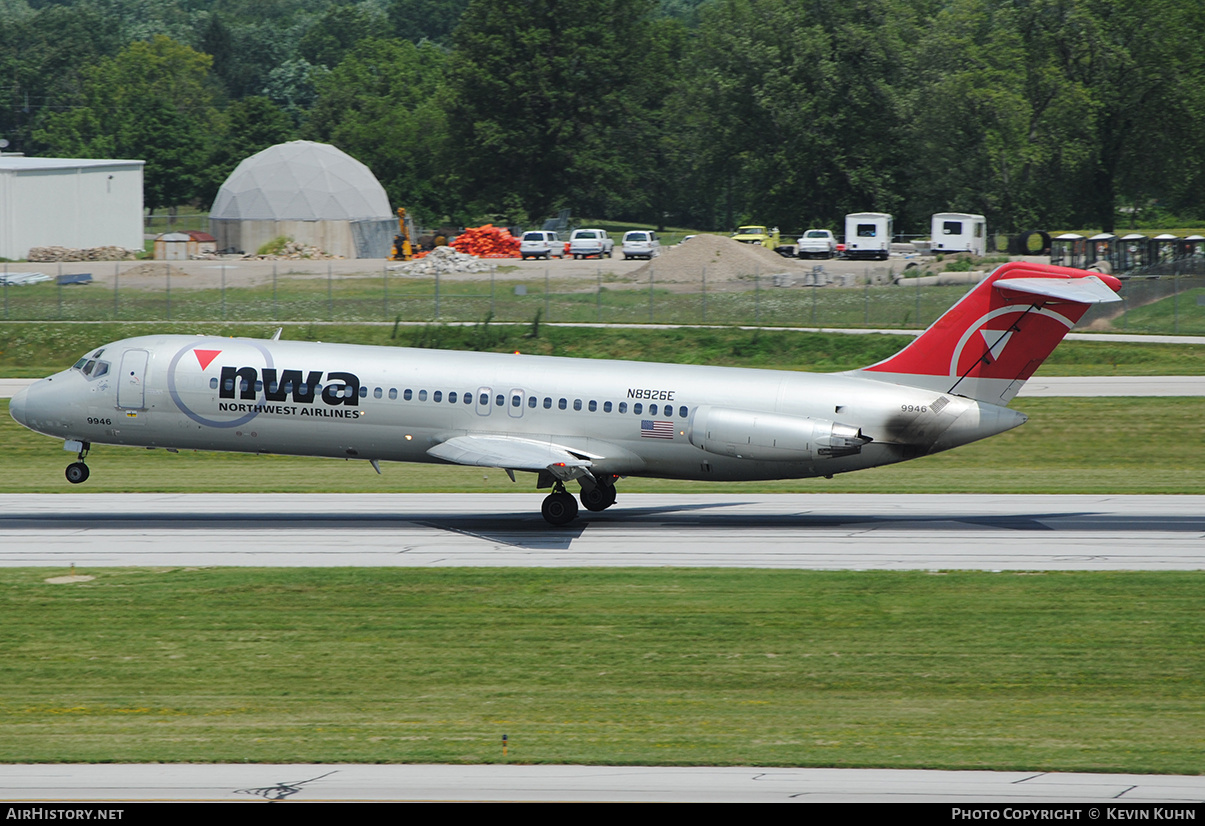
pixel 771 437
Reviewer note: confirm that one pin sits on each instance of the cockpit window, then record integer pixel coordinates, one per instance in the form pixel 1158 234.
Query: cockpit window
pixel 91 366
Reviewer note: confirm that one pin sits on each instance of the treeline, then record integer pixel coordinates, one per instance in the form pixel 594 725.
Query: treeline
pixel 1037 113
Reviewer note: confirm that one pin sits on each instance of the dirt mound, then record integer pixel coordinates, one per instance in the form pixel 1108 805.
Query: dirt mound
pixel 725 260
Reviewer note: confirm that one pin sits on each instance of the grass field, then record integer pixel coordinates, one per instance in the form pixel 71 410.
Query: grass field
pixel 600 298
pixel 36 349
pixel 1051 671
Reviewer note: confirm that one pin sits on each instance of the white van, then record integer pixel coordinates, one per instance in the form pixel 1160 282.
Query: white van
pixel 868 235
pixel 540 244
pixel 640 243
pixel 958 232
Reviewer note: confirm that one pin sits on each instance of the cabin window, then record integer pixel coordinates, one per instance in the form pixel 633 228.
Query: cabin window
pixel 499 400
pixel 682 412
pixel 652 410
pixel 606 407
pixel 392 393
pixel 485 398
pixel 623 407
pixel 638 408
pixel 213 383
pixel 563 404
pixel 408 395
pixel 422 395
pixel 593 406
pixel 547 403
pixel 452 397
pixel 378 393
pixel 516 400
pixel 531 402
pixel 577 404
pixel 437 396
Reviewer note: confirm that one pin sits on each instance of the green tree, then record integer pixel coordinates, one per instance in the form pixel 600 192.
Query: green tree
pixel 538 96
pixel 418 20
pixel 248 126
pixel 803 108
pixel 381 106
pixel 152 101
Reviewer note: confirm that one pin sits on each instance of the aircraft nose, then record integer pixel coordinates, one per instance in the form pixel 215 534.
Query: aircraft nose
pixel 16 406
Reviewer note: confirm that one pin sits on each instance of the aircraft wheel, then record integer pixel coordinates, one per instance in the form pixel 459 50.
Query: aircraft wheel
pixel 77 472
pixel 600 498
pixel 559 509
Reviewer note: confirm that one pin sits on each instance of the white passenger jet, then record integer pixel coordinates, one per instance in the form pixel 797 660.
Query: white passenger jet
pixel 570 420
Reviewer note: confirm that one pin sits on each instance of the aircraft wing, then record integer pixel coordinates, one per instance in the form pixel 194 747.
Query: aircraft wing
pixel 511 453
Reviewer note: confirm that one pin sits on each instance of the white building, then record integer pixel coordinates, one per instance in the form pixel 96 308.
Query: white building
pixel 69 202
pixel 959 232
pixel 310 192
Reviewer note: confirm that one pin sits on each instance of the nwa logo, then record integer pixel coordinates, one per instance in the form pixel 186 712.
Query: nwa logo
pixel 244 382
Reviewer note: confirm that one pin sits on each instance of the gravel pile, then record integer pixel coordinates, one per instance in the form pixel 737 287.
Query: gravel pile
pixel 724 259
pixel 293 251
pixel 50 255
pixel 442 261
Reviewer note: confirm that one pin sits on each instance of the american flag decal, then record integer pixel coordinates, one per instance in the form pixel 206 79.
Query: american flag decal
pixel 656 430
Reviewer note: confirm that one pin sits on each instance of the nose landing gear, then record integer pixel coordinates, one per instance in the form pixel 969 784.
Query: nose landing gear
pixel 78 472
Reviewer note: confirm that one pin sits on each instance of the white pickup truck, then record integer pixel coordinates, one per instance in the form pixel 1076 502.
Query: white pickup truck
pixel 816 243
pixel 585 243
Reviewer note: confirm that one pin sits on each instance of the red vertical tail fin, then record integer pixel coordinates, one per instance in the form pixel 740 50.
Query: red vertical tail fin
pixel 998 334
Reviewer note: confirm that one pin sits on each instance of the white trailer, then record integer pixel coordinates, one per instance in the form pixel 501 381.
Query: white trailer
pixel 69 202
pixel 868 235
pixel 959 232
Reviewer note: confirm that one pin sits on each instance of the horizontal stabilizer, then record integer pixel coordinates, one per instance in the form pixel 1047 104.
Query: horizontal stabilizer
pixel 511 454
pixel 1086 290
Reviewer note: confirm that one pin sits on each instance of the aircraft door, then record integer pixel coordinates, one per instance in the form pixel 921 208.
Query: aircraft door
pixel 131 379
pixel 484 400
pixel 514 405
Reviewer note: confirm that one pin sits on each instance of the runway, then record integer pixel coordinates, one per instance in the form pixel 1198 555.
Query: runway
pixel 346 783
pixel 809 531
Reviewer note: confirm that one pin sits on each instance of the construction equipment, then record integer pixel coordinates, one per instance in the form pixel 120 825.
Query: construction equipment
pixel 402 250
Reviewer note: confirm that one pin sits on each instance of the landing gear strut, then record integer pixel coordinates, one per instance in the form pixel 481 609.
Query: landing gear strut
pixel 559 508
pixel 77 471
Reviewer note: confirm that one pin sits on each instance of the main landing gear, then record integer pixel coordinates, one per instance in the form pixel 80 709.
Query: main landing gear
pixel 560 508
pixel 77 471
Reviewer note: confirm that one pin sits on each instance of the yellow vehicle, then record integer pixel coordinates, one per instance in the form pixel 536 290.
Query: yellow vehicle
pixel 402 249
pixel 768 238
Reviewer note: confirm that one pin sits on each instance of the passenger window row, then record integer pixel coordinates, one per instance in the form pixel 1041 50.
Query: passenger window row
pixel 438 396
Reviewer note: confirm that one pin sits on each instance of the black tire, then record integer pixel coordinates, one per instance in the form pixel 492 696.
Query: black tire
pixel 77 472
pixel 559 509
pixel 598 499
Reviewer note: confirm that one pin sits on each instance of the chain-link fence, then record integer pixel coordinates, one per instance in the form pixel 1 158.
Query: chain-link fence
pixel 288 292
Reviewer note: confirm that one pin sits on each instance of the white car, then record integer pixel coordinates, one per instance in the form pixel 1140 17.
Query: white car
pixel 540 244
pixel 817 243
pixel 640 244
pixel 585 243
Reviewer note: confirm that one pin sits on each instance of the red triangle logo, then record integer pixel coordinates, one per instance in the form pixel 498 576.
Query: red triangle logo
pixel 206 357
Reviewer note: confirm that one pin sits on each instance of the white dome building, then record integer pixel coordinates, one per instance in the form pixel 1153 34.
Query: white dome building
pixel 311 192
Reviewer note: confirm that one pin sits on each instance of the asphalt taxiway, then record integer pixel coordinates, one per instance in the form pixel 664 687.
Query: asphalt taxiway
pixel 816 531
